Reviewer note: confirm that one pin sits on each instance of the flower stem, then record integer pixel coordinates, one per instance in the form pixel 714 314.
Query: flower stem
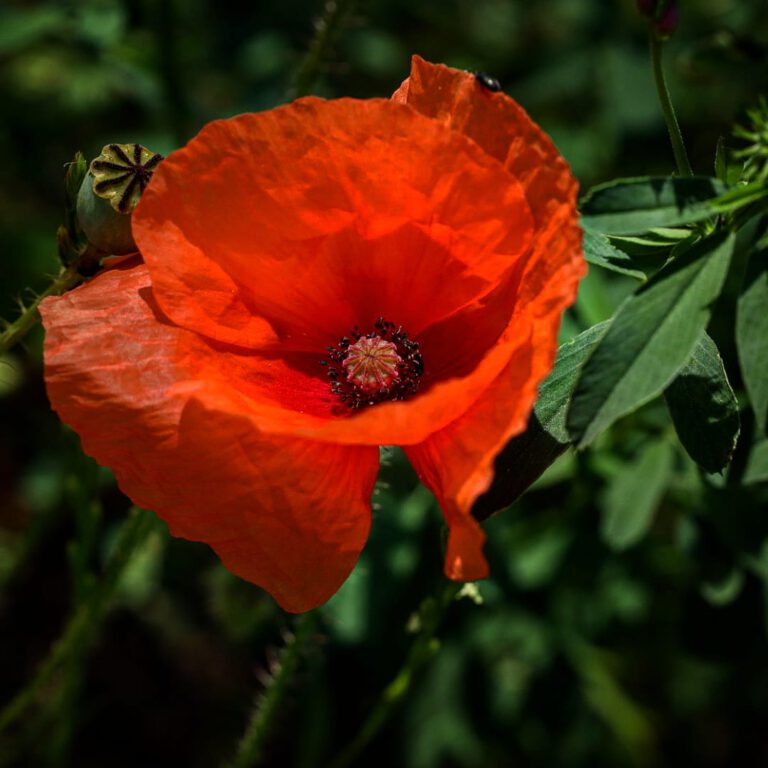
pixel 326 29
pixel 675 136
pixel 80 627
pixel 15 331
pixel 426 645
pixel 270 701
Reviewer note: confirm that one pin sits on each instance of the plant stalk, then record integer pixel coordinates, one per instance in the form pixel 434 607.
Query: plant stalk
pixel 675 136
pixel 424 648
pixel 270 701
pixel 81 626
pixel 29 318
pixel 326 29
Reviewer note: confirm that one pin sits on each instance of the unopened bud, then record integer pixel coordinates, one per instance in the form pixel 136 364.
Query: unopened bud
pixel 667 24
pixel 664 14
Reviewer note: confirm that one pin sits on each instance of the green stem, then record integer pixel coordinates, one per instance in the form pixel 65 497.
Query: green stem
pixel 678 146
pixel 85 618
pixel 424 648
pixel 326 29
pixel 270 701
pixel 17 330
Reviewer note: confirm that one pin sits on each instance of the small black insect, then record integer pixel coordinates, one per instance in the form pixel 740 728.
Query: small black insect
pixel 488 82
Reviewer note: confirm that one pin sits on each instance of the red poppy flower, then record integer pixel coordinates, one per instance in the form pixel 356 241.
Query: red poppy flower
pixel 318 280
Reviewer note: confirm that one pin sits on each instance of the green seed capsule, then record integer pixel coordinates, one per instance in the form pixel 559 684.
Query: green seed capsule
pixel 109 193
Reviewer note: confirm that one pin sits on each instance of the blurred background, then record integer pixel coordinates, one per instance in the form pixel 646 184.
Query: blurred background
pixel 625 622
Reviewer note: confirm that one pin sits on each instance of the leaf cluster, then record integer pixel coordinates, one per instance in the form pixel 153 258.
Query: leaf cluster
pixel 698 251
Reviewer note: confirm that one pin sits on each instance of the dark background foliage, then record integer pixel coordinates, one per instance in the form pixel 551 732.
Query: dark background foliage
pixel 625 622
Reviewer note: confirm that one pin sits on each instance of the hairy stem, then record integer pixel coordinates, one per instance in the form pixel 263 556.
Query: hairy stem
pixel 271 700
pixel 675 136
pixel 83 622
pixel 326 29
pixel 29 318
pixel 424 648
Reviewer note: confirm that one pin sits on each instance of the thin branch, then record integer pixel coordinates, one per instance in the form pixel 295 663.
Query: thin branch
pixel 426 645
pixel 270 702
pixel 326 29
pixel 29 318
pixel 675 136
pixel 85 619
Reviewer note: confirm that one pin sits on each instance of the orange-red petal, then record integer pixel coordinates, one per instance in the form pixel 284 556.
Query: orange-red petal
pixel 456 462
pixel 288 514
pixel 288 227
pixel 502 128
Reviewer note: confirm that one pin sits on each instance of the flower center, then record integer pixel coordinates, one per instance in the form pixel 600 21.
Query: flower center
pixel 366 369
pixel 371 363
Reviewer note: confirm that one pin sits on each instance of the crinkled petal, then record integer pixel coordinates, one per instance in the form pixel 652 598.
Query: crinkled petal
pixel 389 423
pixel 288 514
pixel 291 226
pixel 497 123
pixel 456 462
pixel 502 128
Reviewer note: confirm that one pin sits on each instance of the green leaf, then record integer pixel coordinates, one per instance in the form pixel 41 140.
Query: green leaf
pixel 526 456
pixel 633 206
pixel 756 470
pixel 634 495
pixel 31 26
pixel 721 160
pixel 752 334
pixel 724 591
pixel 73 179
pixel 598 250
pixel 650 339
pixel 704 409
pixel 657 242
pixel 740 196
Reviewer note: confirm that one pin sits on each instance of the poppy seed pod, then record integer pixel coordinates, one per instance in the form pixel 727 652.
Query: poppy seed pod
pixel 105 228
pixel 110 191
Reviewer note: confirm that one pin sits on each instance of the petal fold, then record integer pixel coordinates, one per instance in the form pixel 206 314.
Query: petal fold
pixel 456 462
pixel 291 226
pixel 290 515
pixel 502 129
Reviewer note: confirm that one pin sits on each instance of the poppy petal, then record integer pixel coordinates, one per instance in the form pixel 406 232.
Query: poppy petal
pixel 295 224
pixel 388 423
pixel 502 128
pixel 290 515
pixel 494 121
pixel 456 462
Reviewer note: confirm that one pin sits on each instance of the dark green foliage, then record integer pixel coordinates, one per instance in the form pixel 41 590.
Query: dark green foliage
pixel 525 457
pixel 634 206
pixel 752 333
pixel 634 494
pixel 650 338
pixel 704 409
pixel 626 618
pixel 599 251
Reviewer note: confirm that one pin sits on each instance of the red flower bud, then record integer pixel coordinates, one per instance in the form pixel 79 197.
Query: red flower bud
pixel 667 24
pixel 663 12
